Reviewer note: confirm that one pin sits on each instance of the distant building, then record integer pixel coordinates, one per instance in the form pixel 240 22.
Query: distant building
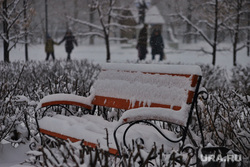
pixel 153 19
pixel 129 33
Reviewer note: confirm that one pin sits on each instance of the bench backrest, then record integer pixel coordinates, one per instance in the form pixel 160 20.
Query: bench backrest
pixel 127 86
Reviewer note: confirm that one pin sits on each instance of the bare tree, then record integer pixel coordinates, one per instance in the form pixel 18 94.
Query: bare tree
pixel 187 37
pixel 235 24
pixel 238 6
pixel 109 15
pixel 212 18
pixel 14 24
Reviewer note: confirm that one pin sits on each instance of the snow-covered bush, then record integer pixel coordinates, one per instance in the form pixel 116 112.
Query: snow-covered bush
pixel 226 115
pixel 76 154
pixel 227 121
pixel 214 78
pixel 22 85
pixel 241 80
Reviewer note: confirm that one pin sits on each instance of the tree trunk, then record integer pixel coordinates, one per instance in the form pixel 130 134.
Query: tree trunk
pixel 6 34
pixel 6 51
pixel 107 48
pixel 76 13
pixel 187 37
pixel 248 34
pixel 25 29
pixel 215 33
pixel 46 18
pixel 91 20
pixel 236 33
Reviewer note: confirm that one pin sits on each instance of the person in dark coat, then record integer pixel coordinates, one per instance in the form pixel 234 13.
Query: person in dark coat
pixel 157 44
pixel 49 47
pixel 142 43
pixel 70 40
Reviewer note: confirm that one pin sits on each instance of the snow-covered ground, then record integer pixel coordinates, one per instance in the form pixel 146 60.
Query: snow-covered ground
pixel 125 53
pixel 10 156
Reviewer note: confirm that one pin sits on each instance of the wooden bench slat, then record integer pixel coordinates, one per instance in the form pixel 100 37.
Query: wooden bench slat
pixel 72 139
pixel 64 102
pixel 127 104
pixel 194 80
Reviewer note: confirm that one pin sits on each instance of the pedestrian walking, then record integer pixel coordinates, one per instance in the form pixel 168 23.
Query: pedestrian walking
pixel 157 44
pixel 49 47
pixel 142 43
pixel 70 40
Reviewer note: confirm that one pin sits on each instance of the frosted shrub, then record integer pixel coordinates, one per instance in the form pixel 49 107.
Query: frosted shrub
pixel 214 78
pixel 241 80
pixel 226 116
pixel 22 85
pixel 227 121
pixel 76 154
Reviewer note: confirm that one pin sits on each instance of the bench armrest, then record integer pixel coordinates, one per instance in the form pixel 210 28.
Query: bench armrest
pixel 158 114
pixel 67 99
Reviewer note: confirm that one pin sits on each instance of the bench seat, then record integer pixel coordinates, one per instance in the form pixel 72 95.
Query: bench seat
pixel 92 129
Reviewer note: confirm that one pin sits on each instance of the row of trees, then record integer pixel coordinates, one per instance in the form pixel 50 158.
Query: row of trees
pixel 212 21
pixel 216 21
pixel 15 16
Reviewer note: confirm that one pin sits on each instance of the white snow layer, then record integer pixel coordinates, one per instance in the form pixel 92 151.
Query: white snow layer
pixel 92 129
pixel 161 114
pixel 122 81
pixel 66 97
pixel 154 68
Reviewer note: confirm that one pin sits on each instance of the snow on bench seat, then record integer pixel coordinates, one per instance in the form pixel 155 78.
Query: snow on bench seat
pixel 128 86
pixel 154 68
pixel 92 130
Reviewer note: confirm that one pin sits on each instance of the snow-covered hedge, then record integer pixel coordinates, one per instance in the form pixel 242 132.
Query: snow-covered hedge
pixel 225 115
pixel 66 153
pixel 22 85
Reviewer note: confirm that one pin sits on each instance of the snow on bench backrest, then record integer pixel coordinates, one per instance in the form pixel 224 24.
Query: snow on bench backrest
pixel 128 86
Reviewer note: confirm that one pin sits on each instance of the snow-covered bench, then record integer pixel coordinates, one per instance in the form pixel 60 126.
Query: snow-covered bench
pixel 145 91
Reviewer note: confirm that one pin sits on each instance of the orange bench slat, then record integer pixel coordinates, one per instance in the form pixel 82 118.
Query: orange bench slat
pixel 72 139
pixel 66 102
pixel 126 104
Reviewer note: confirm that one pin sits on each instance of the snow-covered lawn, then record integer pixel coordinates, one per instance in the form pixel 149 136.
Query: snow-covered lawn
pixel 10 156
pixel 97 54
